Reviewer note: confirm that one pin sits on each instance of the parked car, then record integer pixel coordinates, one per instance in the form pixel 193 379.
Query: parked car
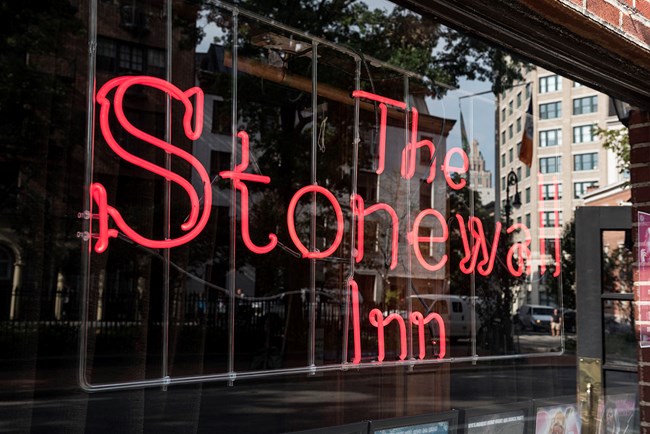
pixel 534 317
pixel 456 310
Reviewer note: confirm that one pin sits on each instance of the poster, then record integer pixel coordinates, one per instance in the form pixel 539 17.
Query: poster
pixel 427 428
pixel 617 415
pixel 558 419
pixel 502 423
pixel 644 278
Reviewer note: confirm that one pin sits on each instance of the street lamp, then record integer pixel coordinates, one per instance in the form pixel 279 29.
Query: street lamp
pixel 512 179
pixel 622 110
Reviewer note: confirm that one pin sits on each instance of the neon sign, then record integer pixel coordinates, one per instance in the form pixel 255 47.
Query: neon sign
pixel 479 254
pixel 193 226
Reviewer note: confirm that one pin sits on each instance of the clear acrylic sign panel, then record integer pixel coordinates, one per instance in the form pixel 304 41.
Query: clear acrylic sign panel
pixel 299 207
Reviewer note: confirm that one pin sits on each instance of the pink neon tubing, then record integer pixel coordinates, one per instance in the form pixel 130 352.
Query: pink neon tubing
pixel 480 235
pixel 356 321
pixel 292 226
pixel 556 225
pixel 469 255
pixel 377 319
pixel 447 167
pixel 383 111
pixel 415 239
pixel 523 249
pixel 374 97
pixel 407 167
pixel 98 193
pixel 237 176
pixel 359 210
pixel 418 319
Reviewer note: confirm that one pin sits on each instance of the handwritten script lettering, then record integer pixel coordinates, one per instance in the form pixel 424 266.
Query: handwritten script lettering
pixel 479 253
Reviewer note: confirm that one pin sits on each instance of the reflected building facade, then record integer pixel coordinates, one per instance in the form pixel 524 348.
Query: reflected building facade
pixel 568 162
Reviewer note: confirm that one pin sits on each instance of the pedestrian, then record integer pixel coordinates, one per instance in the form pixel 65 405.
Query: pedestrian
pixel 555 323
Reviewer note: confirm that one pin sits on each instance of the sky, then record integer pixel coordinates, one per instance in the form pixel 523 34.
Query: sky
pixel 478 114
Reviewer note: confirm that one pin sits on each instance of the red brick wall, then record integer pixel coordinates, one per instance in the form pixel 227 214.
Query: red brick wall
pixel 640 185
pixel 628 18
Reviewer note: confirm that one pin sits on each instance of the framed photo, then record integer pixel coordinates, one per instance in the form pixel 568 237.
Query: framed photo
pixel 505 419
pixel 618 414
pixel 436 423
pixel 558 416
pixel 353 428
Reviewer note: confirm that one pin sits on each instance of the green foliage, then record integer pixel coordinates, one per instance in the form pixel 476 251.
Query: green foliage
pixel 463 56
pixel 617 141
pixel 398 37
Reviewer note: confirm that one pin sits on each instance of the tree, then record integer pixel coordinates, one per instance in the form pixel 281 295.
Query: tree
pixel 398 37
pixel 617 141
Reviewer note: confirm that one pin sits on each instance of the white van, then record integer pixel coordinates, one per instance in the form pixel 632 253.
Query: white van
pixel 455 310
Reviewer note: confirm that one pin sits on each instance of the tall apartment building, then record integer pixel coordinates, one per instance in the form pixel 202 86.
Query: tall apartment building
pixel 567 153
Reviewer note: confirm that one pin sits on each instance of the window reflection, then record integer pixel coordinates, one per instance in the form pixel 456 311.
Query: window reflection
pixel 618 329
pixel 617 262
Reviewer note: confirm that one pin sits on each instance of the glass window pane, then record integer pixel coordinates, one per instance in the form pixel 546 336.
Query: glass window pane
pixel 619 340
pixel 617 262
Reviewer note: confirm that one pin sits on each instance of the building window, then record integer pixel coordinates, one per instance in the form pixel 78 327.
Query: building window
pixel 551 83
pixel 527 171
pixel 548 191
pixel 548 218
pixel 219 161
pixel 503 114
pixel 550 138
pixel 503 183
pixel 131 58
pixel 503 160
pixel 549 246
pixel 510 152
pixel 425 194
pixel 220 118
pixel 550 164
pixel 518 99
pixel 125 57
pixel 518 172
pixel 528 220
pixel 580 188
pixel 528 89
pixel 156 62
pixel 426 248
pixel 510 108
pixel 576 84
pixel 425 153
pixel 106 54
pixel 527 195
pixel 583 134
pixel 585 161
pixel 551 110
pixel 588 104
pixel 503 137
pixel 518 125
